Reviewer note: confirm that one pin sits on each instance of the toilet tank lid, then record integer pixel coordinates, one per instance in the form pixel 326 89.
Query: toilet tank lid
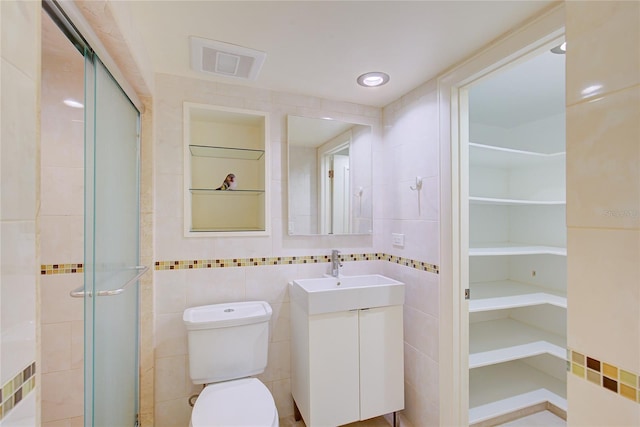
pixel 225 315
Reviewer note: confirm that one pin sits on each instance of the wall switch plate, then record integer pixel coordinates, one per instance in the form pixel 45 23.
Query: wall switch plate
pixel 397 239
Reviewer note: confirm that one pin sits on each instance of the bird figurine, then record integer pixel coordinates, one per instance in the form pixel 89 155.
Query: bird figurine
pixel 229 183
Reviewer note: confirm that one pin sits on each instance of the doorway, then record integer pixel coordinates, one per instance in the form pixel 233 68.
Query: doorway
pixel 536 36
pixel 515 240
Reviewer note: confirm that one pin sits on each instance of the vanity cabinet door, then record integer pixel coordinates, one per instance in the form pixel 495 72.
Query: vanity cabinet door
pixel 381 361
pixel 334 382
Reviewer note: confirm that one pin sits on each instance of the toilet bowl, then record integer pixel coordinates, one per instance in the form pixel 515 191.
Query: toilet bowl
pixel 244 402
pixel 228 345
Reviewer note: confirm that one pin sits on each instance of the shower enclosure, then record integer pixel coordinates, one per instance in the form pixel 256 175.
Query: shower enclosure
pixel 111 240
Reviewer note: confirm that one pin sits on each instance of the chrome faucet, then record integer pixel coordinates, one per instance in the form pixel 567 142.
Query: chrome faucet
pixel 335 263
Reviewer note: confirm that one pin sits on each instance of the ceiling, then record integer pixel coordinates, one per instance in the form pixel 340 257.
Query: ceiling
pixel 529 91
pixel 319 48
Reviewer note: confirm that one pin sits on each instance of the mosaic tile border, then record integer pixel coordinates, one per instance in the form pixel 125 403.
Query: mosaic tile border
pixel 310 259
pixel 61 268
pixel 47 269
pixel 16 389
pixel 611 377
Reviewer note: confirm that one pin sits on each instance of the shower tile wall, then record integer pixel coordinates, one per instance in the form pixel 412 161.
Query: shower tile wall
pixel 19 23
pixel 61 228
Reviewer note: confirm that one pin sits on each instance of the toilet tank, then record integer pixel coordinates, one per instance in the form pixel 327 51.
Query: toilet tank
pixel 227 341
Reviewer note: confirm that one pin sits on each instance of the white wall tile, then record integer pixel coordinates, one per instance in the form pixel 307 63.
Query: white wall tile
pixel 170 291
pixel 592 405
pixel 172 378
pixel 61 239
pixel 421 332
pixel 21 37
pixel 62 191
pixel 270 282
pixel 60 307
pixel 60 397
pixel 215 286
pixel 173 413
pixel 56 347
pixel 18 133
pixel 603 40
pixel 603 168
pixel 171 335
pixel 603 293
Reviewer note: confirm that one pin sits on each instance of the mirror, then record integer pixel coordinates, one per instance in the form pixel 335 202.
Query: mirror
pixel 330 184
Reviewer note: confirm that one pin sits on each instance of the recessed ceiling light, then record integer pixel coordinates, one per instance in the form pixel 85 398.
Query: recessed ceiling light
pixel 73 103
pixel 373 79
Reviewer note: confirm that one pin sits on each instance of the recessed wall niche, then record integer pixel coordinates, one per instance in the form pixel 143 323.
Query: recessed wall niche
pixel 225 171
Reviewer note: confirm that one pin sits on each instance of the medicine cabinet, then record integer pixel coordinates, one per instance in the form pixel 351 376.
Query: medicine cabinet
pixel 219 142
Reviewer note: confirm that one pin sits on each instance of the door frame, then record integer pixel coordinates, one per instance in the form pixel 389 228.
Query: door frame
pixel 533 36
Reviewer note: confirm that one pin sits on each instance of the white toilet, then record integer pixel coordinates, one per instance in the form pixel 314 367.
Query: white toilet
pixel 228 343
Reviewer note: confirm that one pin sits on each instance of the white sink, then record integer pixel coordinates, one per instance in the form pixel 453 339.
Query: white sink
pixel 331 294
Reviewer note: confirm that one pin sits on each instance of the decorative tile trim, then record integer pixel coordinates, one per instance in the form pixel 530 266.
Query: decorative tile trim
pixel 251 262
pixel 611 377
pixel 311 259
pixel 16 389
pixel 46 269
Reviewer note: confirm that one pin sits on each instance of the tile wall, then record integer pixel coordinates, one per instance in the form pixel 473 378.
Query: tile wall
pixel 603 209
pixel 19 65
pixel 411 150
pixel 61 229
pixel 180 288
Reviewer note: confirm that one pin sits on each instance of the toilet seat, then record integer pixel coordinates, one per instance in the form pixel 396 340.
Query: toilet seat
pixel 244 402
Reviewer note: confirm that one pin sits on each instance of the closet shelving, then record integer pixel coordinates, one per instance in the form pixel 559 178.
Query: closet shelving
pixel 515 385
pixel 496 156
pixel 514 361
pixel 502 340
pixel 505 294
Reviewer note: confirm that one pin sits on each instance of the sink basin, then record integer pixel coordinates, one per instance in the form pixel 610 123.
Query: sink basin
pixel 331 294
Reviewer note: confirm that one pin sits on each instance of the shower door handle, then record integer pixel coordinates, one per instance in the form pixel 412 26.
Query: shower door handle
pixel 80 292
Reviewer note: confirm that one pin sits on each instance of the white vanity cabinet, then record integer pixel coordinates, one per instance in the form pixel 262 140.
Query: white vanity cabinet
pixel 347 365
pixel 219 142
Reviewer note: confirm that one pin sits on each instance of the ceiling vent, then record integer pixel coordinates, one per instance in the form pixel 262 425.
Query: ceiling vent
pixel 224 59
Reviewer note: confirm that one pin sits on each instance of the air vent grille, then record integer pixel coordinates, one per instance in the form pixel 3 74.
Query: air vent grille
pixel 224 59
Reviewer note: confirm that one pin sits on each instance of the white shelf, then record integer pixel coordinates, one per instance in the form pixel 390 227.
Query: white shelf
pixel 500 389
pixel 511 248
pixel 226 229
pixel 213 192
pixel 503 340
pixel 492 156
pixel 499 295
pixel 514 202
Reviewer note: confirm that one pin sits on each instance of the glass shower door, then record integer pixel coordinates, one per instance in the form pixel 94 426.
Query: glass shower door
pixel 111 250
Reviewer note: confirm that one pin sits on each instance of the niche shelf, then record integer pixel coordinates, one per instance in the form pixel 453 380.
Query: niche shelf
pixel 225 152
pixel 219 141
pixel 232 193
